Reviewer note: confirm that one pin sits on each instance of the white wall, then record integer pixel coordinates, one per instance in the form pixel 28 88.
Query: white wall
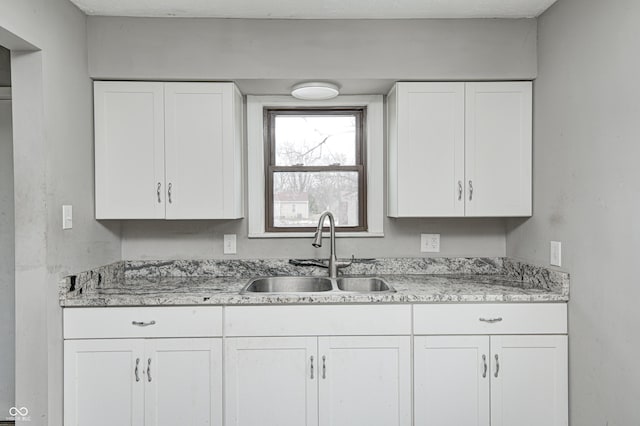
pixel 587 195
pixel 53 151
pixel 267 56
pixel 7 259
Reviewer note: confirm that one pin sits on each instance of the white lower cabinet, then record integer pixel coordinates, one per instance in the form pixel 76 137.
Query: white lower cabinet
pixel 491 380
pixel 451 380
pixel 327 381
pixel 271 381
pixel 529 382
pixel 103 382
pixel 135 382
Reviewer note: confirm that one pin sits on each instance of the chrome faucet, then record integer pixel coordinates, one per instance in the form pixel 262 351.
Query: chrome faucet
pixel 333 264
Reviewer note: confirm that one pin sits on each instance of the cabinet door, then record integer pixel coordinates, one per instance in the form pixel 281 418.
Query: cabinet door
pixel 427 174
pixel 365 381
pixel 202 160
pixel 183 379
pixel 529 381
pixel 129 150
pixel 498 149
pixel 103 382
pixel 451 380
pixel 271 381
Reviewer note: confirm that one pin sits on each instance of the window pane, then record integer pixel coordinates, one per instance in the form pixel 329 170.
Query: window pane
pixel 300 198
pixel 315 140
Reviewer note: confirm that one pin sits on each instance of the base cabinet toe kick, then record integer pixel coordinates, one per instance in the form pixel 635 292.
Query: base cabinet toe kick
pixel 497 364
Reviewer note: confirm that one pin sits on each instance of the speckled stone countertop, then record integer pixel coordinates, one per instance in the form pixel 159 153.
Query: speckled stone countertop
pixel 422 280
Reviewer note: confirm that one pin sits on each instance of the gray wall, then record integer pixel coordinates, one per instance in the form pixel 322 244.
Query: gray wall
pixel 587 195
pixel 7 262
pixel 178 48
pixel 267 56
pixel 204 240
pixel 53 165
pixel 5 67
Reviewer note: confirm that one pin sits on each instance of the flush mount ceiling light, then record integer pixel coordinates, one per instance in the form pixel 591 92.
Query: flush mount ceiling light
pixel 315 91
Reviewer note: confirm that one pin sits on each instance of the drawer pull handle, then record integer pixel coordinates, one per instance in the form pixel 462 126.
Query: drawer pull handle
pixel 136 370
pixel 497 366
pixel 491 320
pixel 142 323
pixel 311 367
pixel 484 362
pixel 324 367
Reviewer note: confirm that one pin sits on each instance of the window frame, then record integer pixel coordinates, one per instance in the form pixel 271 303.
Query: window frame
pixel 270 167
pixel 255 175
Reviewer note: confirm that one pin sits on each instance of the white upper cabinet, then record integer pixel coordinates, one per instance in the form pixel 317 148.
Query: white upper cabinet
pixel 459 149
pixel 168 150
pixel 498 149
pixel 426 149
pixel 129 150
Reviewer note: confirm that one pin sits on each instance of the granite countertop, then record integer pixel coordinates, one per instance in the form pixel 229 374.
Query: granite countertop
pixel 146 284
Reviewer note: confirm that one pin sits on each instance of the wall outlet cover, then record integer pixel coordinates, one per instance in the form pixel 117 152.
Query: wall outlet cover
pixel 555 253
pixel 430 243
pixel 67 217
pixel 230 244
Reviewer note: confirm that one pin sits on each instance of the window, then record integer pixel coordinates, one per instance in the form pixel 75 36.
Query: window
pixel 315 161
pixel 371 142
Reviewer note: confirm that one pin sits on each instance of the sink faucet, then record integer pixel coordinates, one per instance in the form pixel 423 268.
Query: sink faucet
pixel 333 263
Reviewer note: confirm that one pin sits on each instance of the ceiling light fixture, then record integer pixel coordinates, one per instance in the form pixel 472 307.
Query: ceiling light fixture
pixel 315 91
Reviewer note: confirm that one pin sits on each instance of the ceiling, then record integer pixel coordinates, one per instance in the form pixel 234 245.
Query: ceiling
pixel 318 9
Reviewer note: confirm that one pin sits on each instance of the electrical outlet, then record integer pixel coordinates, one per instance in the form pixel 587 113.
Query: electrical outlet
pixel 555 253
pixel 230 244
pixel 67 217
pixel 430 243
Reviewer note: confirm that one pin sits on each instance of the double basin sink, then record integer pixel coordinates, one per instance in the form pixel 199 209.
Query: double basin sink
pixel 317 285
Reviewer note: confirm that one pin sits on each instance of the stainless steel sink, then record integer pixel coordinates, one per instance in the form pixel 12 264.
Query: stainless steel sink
pixel 363 284
pixel 305 285
pixel 288 285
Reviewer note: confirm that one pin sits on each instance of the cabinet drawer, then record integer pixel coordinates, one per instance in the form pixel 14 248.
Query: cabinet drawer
pixel 490 319
pixel 354 320
pixel 97 323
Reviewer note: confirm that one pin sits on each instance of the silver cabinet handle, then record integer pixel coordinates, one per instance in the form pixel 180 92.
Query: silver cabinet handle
pixel 142 323
pixel 158 192
pixel 136 370
pixel 497 366
pixel 169 192
pixel 484 363
pixel 459 190
pixel 491 320
pixel 311 367
pixel 470 190
pixel 324 367
pixel 149 370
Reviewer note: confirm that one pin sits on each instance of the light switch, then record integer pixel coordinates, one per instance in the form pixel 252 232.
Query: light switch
pixel 430 243
pixel 229 244
pixel 555 257
pixel 67 217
